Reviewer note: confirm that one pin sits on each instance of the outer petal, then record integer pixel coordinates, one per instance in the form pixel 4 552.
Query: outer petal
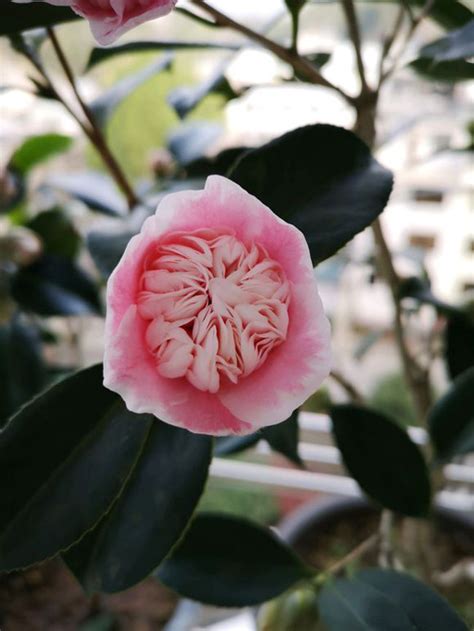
pixel 129 368
pixel 108 30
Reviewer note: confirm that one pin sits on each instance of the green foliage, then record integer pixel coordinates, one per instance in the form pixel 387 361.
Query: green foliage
pixel 296 610
pixel 330 196
pixel 22 369
pixel 143 122
pixel 392 397
pixel 37 149
pixel 149 516
pixel 445 71
pixel 230 562
pixel 382 459
pixel 459 342
pixel 57 232
pixel 373 600
pixel 240 499
pixel 451 420
pixel 55 285
pixel 458 44
pixel 67 455
pixel 21 17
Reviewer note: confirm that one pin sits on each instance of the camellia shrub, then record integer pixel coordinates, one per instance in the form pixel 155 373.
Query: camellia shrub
pixel 215 336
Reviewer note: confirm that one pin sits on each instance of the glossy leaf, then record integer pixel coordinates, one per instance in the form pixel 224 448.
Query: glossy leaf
pixel 105 105
pixel 55 285
pixel 185 98
pixel 150 514
pixel 445 71
pixel 95 190
pixel 191 141
pixel 107 248
pixel 373 600
pixel 451 420
pixel 459 343
pixel 458 44
pixel 420 290
pixel 66 456
pixel 215 165
pixel 21 17
pixel 57 232
pixel 22 369
pixel 322 179
pixel 284 437
pixel 230 562
pixel 37 149
pixel 98 55
pixel 382 459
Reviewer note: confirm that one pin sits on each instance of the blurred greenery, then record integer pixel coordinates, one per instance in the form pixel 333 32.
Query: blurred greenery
pixel 144 120
pixel 391 396
pixel 238 498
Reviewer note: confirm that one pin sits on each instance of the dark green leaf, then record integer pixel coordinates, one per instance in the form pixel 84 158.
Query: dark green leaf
pixel 216 165
pixel 185 98
pixel 459 343
pixel 446 71
pixel 22 370
pixel 55 285
pixel 376 600
pixel 458 44
pixel 190 141
pixel 228 445
pixel 106 249
pixel 21 17
pixel 321 178
pixel 37 149
pixel 382 459
pixel 57 232
pixel 284 438
pixel 451 420
pixel 231 562
pixel 420 290
pixel 66 456
pixel 150 514
pixel 99 55
pixel 95 190
pixel 106 104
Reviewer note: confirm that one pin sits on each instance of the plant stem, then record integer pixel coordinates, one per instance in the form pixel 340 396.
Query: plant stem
pixel 349 387
pixel 358 552
pixel 354 34
pixel 94 132
pixel 301 66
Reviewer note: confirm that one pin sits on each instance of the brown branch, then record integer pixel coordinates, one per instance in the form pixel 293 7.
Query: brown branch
pixel 415 376
pixel 390 40
pixel 358 552
pixel 94 133
pixel 354 34
pixel 300 65
pixel 349 387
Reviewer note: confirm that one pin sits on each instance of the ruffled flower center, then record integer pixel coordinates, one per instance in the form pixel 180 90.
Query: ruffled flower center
pixel 216 307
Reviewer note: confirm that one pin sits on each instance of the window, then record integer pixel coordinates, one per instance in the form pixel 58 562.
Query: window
pixel 422 241
pixel 432 196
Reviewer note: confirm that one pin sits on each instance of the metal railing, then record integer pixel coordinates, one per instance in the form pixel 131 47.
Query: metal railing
pixel 316 449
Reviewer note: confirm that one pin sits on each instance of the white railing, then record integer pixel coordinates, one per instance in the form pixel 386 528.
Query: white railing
pixel 458 494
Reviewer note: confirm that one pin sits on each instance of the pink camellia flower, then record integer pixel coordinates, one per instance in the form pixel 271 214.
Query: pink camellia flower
pixel 111 18
pixel 214 321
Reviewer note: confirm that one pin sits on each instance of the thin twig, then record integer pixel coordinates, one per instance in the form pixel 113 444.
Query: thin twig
pixel 390 40
pixel 354 34
pixel 349 387
pixel 300 65
pixel 386 532
pixel 95 134
pixel 358 552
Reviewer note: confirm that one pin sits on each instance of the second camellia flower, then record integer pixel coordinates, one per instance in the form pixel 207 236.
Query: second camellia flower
pixel 214 322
